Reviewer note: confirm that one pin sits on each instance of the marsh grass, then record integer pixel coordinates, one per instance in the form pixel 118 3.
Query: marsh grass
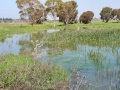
pixel 95 26
pixel 92 37
pixel 23 73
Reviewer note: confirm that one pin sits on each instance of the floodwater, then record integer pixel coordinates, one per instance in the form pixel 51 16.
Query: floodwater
pixel 100 65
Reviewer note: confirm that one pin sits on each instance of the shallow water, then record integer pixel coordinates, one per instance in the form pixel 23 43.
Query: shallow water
pixel 11 45
pixel 100 65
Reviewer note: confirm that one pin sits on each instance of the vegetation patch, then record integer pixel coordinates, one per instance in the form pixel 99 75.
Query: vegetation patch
pixel 90 37
pixel 23 73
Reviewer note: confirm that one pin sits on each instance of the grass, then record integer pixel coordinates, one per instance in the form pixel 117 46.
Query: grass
pixel 8 30
pixel 99 38
pixel 23 73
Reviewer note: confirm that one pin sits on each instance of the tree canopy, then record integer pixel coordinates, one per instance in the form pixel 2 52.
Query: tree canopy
pixel 52 8
pixel 68 12
pixel 86 17
pixel 115 14
pixel 106 14
pixel 31 9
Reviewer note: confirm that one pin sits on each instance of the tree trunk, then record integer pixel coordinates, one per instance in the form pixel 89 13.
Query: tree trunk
pixel 54 19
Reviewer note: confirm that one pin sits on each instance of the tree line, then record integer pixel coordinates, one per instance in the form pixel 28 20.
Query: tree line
pixel 67 12
pixel 6 19
pixel 108 13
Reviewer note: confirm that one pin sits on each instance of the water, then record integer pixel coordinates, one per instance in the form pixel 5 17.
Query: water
pixel 101 65
pixel 52 31
pixel 11 45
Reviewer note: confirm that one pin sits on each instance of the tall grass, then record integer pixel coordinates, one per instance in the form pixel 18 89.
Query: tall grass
pixel 23 73
pixel 94 38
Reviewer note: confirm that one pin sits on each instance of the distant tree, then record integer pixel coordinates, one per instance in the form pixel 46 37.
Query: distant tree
pixel 86 17
pixel 31 9
pixel 106 14
pixel 52 8
pixel 91 15
pixel 118 14
pixel 115 14
pixel 68 12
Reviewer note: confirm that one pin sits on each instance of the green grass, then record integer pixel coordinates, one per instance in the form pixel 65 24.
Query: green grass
pixel 8 30
pixel 71 38
pixel 23 73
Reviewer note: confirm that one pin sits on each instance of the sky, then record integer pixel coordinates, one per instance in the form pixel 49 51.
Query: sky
pixel 8 8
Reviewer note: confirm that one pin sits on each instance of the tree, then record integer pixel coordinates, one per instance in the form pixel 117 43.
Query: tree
pixel 118 14
pixel 106 13
pixel 115 14
pixel 32 10
pixel 86 17
pixel 52 8
pixel 68 12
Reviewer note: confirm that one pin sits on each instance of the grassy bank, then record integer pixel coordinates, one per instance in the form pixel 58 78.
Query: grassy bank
pixel 8 30
pixel 22 73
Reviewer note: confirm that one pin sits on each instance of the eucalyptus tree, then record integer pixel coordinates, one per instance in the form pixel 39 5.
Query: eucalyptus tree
pixel 52 8
pixel 106 13
pixel 86 17
pixel 32 10
pixel 115 14
pixel 118 14
pixel 68 12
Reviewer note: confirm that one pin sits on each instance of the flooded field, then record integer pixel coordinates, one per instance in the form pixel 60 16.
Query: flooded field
pixel 95 55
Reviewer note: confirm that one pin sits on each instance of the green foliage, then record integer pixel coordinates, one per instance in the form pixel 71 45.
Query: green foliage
pixel 9 30
pixel 97 58
pixel 106 13
pixel 86 17
pixel 53 5
pixel 23 73
pixel 32 9
pixel 118 14
pixel 68 12
pixel 115 14
pixel 95 34
pixel 52 8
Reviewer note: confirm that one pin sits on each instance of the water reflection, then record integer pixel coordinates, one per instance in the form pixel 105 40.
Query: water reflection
pixel 101 64
pixel 11 45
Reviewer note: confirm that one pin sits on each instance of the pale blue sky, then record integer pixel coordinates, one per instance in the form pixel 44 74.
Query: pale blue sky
pixel 8 8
